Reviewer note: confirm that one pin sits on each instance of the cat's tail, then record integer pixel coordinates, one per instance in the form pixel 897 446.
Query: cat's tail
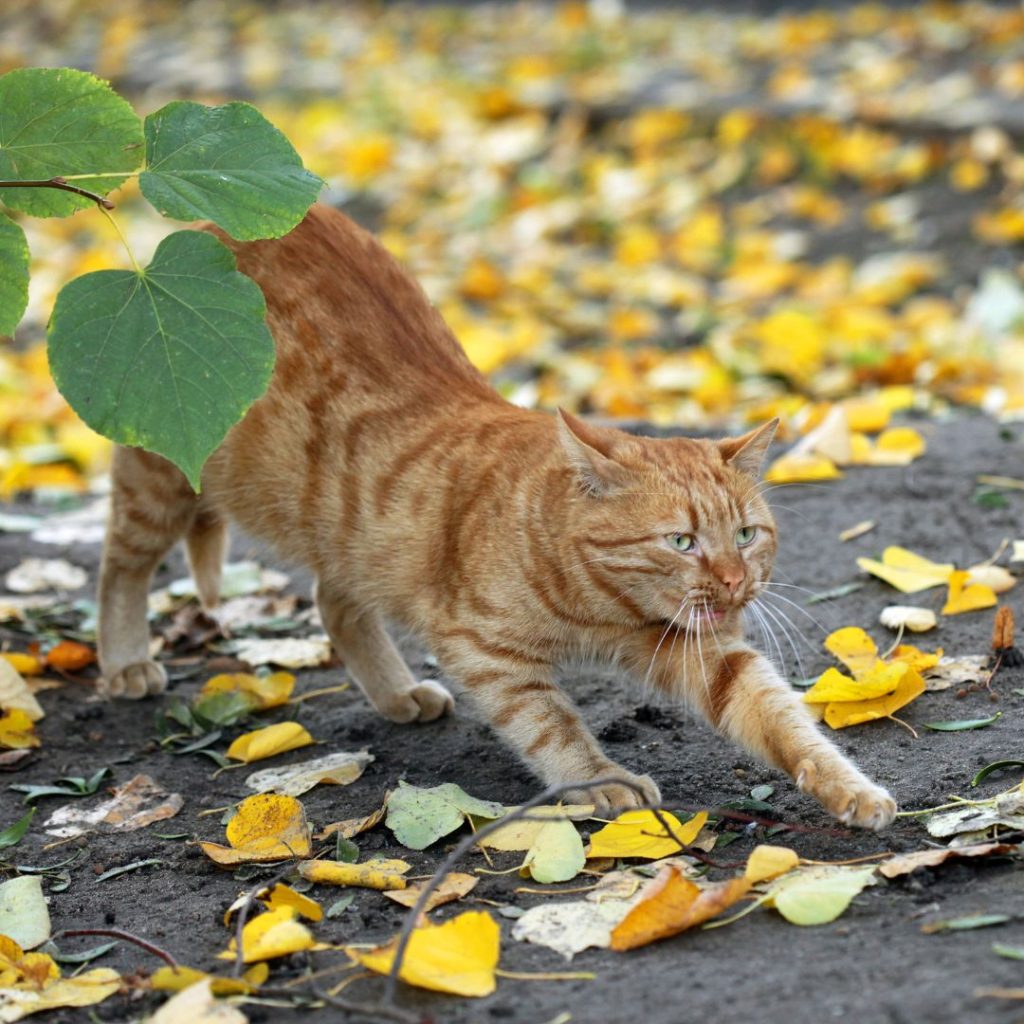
pixel 206 543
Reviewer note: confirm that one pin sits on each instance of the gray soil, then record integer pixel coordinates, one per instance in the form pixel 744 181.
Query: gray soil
pixel 873 964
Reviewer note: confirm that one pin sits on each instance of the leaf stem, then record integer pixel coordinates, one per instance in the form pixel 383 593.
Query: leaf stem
pixel 62 184
pixel 120 234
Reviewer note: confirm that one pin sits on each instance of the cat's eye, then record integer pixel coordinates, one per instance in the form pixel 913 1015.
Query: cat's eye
pixel 744 535
pixel 682 541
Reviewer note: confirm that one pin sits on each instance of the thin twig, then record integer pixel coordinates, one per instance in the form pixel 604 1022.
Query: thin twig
pixel 60 183
pixel 381 1010
pixel 726 812
pixel 119 933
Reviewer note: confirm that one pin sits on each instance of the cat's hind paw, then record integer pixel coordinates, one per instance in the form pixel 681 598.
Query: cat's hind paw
pixel 853 800
pixel 423 702
pixel 143 679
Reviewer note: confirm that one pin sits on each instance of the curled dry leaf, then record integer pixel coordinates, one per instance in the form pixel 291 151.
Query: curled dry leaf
pixel 270 935
pixel 353 826
pixel 640 834
pixel 569 928
pixel 372 874
pixel 901 616
pixel 908 862
pixel 267 827
pixel 995 577
pixel 452 887
pixel 459 956
pixel 268 742
pixel 949 672
pixel 766 862
pixel 136 804
pixel 967 597
pixel 1002 631
pixel 70 656
pixel 672 904
pixel 340 768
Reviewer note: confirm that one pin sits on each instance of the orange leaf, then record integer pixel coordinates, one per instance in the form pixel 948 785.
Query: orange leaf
pixel 673 904
pixel 69 656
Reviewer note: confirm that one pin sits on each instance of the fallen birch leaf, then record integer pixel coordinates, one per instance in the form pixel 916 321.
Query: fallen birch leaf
pixel 340 769
pixel 24 915
pixel 459 956
pixel 23 663
pixel 288 652
pixel 269 742
pixel 640 834
pixel 285 896
pixel 17 730
pixel 266 691
pixel 766 862
pixel 907 571
pixel 556 854
pixel 86 989
pixel 15 693
pixel 35 574
pixel 897 446
pixel 905 863
pixel 853 647
pixel 797 469
pixel 136 804
pixel 270 935
pixel 900 616
pixel 569 928
pixel 835 686
pixel 70 656
pixel 419 817
pixel 672 904
pixel 174 979
pixel 817 894
pixel 198 1004
pixel 840 715
pixel 521 833
pixel 967 597
pixel 372 874
pixel 267 827
pixel 452 887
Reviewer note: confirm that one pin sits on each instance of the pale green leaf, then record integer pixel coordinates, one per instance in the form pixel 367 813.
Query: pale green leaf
pixel 24 915
pixel 62 122
pixel 169 359
pixel 13 274
pixel 819 894
pixel 228 164
pixel 557 853
pixel 419 817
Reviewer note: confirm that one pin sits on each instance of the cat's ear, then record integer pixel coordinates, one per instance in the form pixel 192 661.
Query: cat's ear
pixel 746 453
pixel 590 452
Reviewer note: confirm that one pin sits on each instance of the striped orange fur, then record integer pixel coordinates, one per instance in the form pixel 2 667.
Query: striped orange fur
pixel 509 540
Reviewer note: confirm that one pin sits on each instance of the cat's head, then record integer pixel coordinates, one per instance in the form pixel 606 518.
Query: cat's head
pixel 677 527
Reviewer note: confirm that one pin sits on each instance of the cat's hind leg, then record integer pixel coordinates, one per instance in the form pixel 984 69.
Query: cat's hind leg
pixel 151 507
pixel 374 664
pixel 206 544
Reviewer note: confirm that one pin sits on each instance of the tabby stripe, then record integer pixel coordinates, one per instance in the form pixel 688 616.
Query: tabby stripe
pixel 489 647
pixel 729 670
pixel 612 590
pixel 543 739
pixel 504 718
pixel 622 542
pixel 388 479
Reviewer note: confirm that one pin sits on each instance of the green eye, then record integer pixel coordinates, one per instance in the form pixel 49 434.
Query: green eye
pixel 682 541
pixel 744 535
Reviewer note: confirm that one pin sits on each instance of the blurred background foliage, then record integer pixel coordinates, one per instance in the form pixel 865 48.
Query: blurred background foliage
pixel 699 216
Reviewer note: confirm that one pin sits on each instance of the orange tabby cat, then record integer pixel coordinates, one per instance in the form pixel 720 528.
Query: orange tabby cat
pixel 509 540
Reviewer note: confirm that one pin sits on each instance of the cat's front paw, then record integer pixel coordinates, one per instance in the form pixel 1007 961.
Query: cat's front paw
pixel 143 679
pixel 424 702
pixel 850 797
pixel 613 798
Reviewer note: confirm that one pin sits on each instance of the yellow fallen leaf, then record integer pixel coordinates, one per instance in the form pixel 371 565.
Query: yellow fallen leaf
pixel 16 730
pixel 285 896
pixel 32 982
pixel 917 659
pixel 266 691
pixel 15 693
pixel 672 904
pixel 794 469
pixel 174 979
pixel 26 664
pixel 853 647
pixel 267 827
pixel 273 934
pixel 906 571
pixel 640 834
pixel 964 596
pixel 898 446
pixel 839 715
pixel 521 833
pixel 372 874
pixel 459 956
pixel 452 887
pixel 766 861
pixel 274 739
pixel 833 686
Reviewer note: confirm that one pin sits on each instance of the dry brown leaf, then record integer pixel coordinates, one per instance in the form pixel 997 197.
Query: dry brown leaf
pixel 452 887
pixel 907 862
pixel 353 826
pixel 1003 629
pixel 136 804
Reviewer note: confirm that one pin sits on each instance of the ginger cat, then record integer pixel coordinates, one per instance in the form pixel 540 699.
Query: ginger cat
pixel 509 540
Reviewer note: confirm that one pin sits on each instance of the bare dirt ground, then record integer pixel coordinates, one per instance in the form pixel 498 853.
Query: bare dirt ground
pixel 873 964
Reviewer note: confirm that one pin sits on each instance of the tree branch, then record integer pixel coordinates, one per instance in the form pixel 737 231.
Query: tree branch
pixel 60 183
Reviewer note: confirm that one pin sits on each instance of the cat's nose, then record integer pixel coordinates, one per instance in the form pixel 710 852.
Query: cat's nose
pixel 731 574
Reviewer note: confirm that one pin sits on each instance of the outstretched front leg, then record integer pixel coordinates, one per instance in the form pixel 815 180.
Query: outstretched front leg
pixel 516 691
pixel 740 693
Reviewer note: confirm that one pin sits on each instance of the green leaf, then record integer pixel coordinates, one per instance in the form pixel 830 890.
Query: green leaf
pixel 229 164
pixel 85 956
pixel 995 766
pixel 58 121
pixel 224 708
pixel 818 894
pixel 965 924
pixel 962 724
pixel 169 359
pixel 557 853
pixel 419 817
pixel 340 905
pixel 1010 952
pixel 12 835
pixel 345 850
pixel 13 274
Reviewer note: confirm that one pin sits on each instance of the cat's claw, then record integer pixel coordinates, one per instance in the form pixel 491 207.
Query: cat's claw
pixel 854 800
pixel 614 798
pixel 143 679
pixel 424 702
